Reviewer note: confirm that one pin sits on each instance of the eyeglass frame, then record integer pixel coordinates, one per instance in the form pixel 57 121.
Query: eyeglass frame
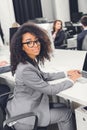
pixel 32 42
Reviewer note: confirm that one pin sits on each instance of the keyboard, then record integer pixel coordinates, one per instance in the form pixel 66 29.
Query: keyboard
pixel 82 80
pixel 84 74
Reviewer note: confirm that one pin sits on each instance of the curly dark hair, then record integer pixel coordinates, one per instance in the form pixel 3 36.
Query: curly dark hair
pixel 18 55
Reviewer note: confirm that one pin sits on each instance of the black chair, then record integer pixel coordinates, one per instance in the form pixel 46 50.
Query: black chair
pixel 15 118
pixel 70 28
pixel 36 127
pixel 7 124
pixel 3 102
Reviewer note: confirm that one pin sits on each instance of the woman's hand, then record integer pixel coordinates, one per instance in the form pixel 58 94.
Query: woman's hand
pixel 74 74
pixel 3 63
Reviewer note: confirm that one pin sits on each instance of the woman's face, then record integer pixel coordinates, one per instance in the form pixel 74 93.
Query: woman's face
pixel 58 25
pixel 31 45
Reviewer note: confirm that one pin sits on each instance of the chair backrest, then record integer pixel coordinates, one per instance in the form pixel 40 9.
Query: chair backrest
pixel 84 44
pixel 70 27
pixel 2 118
pixel 68 23
pixel 8 128
pixel 4 94
pixel 7 124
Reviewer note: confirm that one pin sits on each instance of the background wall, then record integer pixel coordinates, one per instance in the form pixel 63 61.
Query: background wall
pixel 62 10
pixel 47 9
pixel 6 17
pixel 56 9
pixel 51 9
pixel 82 6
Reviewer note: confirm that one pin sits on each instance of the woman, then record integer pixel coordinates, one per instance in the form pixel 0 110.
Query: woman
pixel 58 34
pixel 30 46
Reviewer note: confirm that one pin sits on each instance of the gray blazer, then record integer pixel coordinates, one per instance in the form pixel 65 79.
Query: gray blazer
pixel 84 45
pixel 32 90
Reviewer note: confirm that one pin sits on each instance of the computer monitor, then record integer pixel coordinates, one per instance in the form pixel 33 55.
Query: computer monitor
pixel 85 64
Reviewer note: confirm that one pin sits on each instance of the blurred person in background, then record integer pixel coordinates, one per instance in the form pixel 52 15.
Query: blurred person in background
pixel 81 36
pixel 58 34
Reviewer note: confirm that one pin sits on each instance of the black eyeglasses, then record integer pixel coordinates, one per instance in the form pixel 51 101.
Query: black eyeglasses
pixel 32 43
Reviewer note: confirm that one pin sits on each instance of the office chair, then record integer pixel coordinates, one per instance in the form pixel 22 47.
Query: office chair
pixel 8 124
pixel 70 28
pixel 4 124
pixel 11 120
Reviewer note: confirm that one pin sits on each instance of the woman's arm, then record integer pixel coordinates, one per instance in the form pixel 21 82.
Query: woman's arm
pixel 36 82
pixel 53 76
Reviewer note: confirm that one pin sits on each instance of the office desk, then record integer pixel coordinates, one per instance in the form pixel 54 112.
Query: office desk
pixel 78 93
pixel 77 24
pixel 65 60
pixel 62 60
pixel 4 53
pixel 5 56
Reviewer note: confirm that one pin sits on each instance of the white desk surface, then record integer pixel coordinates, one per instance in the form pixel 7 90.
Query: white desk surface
pixel 62 60
pixel 77 93
pixel 4 53
pixel 5 56
pixel 77 24
pixel 65 60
